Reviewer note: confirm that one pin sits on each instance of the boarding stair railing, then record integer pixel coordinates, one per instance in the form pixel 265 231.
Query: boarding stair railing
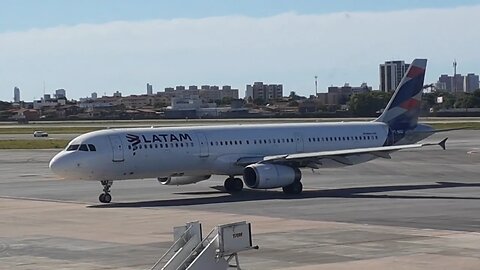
pixel 214 252
pixel 184 237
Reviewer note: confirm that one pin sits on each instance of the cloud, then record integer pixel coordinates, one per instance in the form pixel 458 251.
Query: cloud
pixel 287 48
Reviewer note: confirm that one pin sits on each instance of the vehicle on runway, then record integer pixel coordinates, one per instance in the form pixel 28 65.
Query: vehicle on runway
pixel 268 156
pixel 39 133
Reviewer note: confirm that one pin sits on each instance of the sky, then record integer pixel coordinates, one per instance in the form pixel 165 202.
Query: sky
pixel 104 46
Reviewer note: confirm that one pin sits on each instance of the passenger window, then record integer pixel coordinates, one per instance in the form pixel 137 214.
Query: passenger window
pixel 151 146
pixel 265 141
pixel 309 139
pixel 248 142
pixel 83 147
pixel 73 147
pixel 91 147
pixel 211 143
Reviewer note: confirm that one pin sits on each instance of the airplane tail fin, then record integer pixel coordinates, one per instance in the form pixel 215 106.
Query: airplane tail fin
pixel 403 108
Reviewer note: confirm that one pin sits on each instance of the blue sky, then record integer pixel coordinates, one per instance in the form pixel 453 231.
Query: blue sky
pixel 17 15
pixel 109 45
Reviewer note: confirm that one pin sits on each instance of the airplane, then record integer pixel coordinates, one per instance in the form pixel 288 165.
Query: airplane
pixel 268 156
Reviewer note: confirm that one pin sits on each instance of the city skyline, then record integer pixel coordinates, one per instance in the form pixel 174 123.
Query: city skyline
pixel 287 47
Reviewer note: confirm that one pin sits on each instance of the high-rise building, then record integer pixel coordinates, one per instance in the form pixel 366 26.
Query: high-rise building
pixel 16 94
pixel 471 82
pixel 265 92
pixel 60 93
pixel 391 73
pixel 149 89
pixel 453 84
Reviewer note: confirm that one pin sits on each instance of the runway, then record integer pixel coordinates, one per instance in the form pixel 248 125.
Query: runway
pixel 419 210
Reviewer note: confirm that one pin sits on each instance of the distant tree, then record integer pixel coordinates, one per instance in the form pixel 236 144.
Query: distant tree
pixel 5 105
pixel 259 101
pixel 468 100
pixel 369 103
pixel 293 103
pixel 224 101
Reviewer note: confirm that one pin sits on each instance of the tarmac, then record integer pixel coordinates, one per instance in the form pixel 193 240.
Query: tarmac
pixel 420 210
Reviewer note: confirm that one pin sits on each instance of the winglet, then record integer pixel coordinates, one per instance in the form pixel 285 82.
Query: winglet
pixel 442 143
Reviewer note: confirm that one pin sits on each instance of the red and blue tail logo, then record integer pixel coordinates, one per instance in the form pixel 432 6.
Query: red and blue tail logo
pixel 403 109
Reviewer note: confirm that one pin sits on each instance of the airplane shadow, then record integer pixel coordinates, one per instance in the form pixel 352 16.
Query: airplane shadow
pixel 262 195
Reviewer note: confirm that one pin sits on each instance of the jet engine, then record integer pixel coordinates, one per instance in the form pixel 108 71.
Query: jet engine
pixel 182 180
pixel 270 175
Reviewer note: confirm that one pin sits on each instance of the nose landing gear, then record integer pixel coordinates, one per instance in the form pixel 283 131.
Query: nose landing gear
pixel 105 197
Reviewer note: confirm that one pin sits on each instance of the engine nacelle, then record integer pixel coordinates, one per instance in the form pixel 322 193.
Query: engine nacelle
pixel 270 175
pixel 182 180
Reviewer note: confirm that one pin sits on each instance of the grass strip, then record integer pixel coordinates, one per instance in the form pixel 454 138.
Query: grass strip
pixel 52 130
pixel 33 144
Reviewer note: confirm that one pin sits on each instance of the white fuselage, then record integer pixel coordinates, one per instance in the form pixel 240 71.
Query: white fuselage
pixel 135 153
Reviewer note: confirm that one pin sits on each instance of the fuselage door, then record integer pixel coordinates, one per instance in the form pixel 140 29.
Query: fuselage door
pixel 117 148
pixel 203 144
pixel 299 142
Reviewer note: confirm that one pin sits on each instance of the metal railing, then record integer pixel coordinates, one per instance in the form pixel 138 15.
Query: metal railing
pixel 182 237
pixel 193 254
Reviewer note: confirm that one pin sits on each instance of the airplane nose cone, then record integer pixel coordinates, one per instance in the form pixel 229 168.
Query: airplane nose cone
pixel 58 165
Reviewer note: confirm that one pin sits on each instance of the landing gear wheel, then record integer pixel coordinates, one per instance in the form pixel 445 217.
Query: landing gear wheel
pixel 233 185
pixel 105 197
pixel 237 184
pixel 294 188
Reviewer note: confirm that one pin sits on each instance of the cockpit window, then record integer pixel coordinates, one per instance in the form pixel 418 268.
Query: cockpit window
pixel 83 147
pixel 92 147
pixel 73 147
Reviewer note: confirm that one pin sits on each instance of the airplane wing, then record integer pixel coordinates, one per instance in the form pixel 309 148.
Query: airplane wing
pixel 340 156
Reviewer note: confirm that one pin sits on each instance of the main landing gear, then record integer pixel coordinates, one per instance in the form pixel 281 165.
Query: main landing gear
pixel 105 197
pixel 294 188
pixel 233 185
